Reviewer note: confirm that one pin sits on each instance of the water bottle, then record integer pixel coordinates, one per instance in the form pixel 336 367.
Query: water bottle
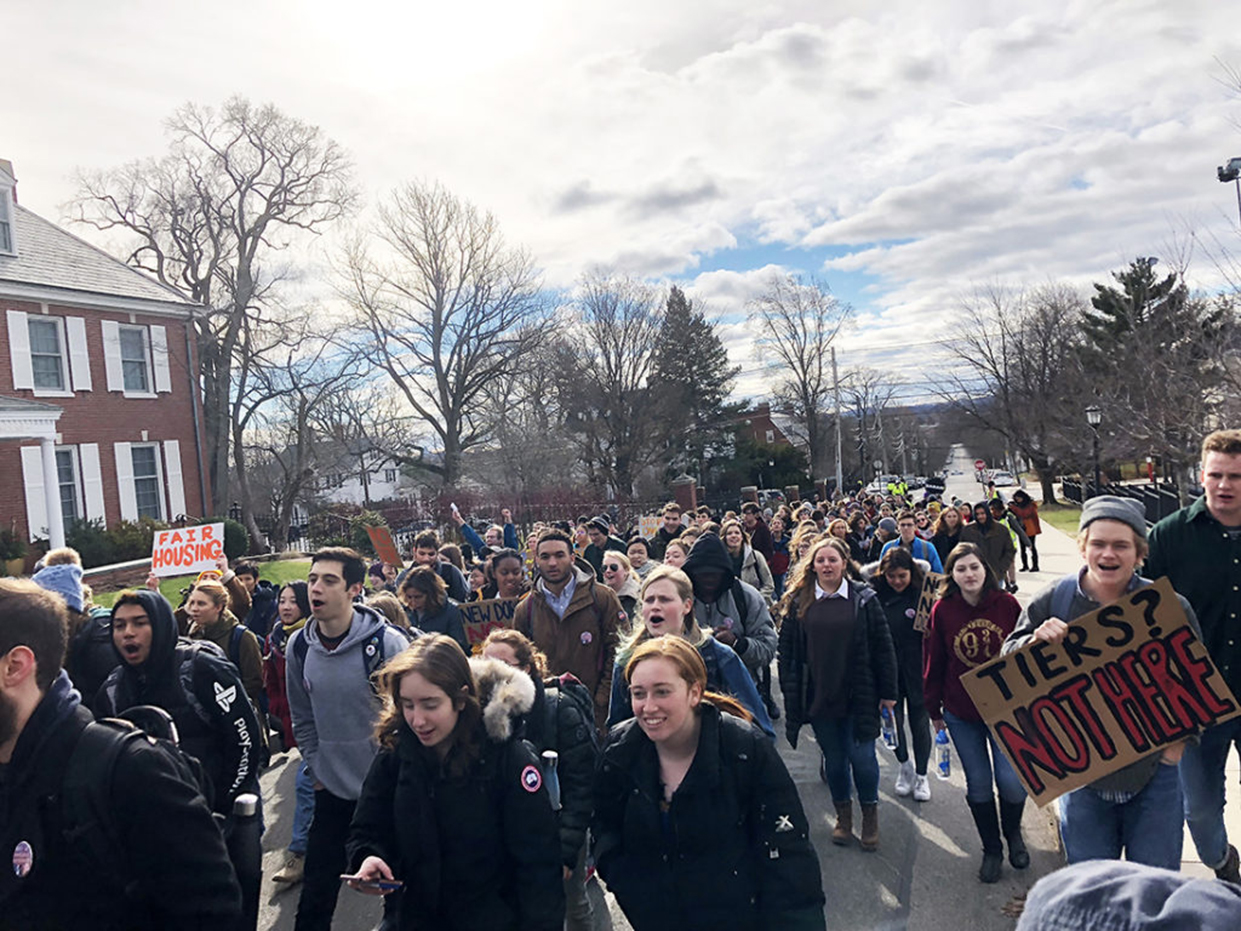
pixel 943 755
pixel 889 728
pixel 245 850
pixel 550 759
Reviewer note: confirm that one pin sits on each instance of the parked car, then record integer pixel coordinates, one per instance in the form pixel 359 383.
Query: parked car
pixel 1003 479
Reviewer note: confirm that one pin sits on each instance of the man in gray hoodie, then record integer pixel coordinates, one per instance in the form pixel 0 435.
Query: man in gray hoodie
pixel 333 709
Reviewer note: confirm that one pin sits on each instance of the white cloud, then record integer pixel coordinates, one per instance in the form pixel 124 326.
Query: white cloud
pixel 975 144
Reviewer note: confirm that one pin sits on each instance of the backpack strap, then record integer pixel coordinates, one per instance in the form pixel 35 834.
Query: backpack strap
pixel 86 803
pixel 741 603
pixel 234 644
pixel 300 646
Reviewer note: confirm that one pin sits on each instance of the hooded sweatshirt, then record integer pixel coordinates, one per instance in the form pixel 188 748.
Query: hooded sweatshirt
pixel 332 704
pixel 200 688
pixel 755 632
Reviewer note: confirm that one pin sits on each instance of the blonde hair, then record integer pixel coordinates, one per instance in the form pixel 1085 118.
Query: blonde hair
pixel 1227 442
pixel 690 630
pixel 390 607
pixel 63 556
pixel 215 590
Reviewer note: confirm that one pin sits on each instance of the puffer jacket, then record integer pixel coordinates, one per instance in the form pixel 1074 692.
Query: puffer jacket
pixel 873 661
pixel 555 722
pixel 733 851
pixel 498 866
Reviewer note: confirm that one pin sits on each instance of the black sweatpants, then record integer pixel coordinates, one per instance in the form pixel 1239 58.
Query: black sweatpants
pixel 325 861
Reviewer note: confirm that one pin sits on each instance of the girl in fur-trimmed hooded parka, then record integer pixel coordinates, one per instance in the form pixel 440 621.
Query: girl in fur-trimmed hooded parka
pixel 454 807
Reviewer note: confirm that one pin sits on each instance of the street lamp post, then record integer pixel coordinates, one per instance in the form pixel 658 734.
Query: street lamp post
pixel 1232 172
pixel 1094 417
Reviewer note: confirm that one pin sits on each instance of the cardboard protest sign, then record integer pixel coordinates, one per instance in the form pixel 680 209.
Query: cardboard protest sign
pixel 649 524
pixel 926 601
pixel 481 617
pixel 187 549
pixel 1126 680
pixel 385 549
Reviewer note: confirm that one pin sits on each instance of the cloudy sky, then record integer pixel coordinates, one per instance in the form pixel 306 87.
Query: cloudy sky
pixel 905 152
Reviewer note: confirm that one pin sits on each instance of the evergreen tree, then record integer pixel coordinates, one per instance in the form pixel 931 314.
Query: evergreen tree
pixel 691 379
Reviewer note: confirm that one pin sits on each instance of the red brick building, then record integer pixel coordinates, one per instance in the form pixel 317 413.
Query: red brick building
pixel 99 403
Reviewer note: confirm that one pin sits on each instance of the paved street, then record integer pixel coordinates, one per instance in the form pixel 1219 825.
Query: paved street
pixel 923 877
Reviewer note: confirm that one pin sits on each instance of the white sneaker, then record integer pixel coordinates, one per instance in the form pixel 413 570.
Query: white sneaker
pixel 905 779
pixel 922 789
pixel 292 871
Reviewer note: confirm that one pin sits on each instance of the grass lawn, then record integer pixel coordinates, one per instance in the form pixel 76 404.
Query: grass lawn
pixel 286 570
pixel 1061 516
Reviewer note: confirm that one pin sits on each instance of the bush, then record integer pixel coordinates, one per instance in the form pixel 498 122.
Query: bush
pixel 91 540
pixel 133 539
pixel 236 536
pixel 12 544
pixel 359 539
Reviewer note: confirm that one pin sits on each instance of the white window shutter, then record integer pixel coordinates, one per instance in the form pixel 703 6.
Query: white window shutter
pixel 172 475
pixel 92 481
pixel 36 502
pixel 79 358
pixel 112 357
pixel 159 358
pixel 19 350
pixel 125 481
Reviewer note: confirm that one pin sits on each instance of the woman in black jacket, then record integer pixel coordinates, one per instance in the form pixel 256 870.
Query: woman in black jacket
pixel 429 608
pixel 688 795
pixel 454 806
pixel 563 723
pixel 837 666
pixel 898 583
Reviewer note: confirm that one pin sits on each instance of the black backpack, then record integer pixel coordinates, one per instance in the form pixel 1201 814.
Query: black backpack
pixel 567 687
pixel 89 823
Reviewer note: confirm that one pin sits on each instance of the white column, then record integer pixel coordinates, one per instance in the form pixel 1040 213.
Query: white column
pixel 51 494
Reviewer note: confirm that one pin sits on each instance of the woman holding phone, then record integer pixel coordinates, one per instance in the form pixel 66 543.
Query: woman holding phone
pixel 454 807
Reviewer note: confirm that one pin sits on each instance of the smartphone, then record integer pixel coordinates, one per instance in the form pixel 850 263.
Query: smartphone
pixel 379 885
pixel 454 507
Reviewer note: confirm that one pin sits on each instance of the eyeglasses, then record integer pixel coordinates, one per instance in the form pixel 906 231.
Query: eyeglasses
pixel 612 567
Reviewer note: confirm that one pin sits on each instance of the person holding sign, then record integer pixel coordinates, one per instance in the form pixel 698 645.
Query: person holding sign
pixel 837 667
pixel 968 626
pixel 1137 811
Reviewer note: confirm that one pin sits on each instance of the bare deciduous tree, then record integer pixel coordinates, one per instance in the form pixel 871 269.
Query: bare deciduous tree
pixel 797 322
pixel 208 218
pixel 445 308
pixel 1015 372
pixel 608 352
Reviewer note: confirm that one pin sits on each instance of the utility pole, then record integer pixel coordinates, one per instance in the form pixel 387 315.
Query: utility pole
pixel 840 474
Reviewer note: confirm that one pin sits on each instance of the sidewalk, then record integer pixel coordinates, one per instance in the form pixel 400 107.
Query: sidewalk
pixel 1058 556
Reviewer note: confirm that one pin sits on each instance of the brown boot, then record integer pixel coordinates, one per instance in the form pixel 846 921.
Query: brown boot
pixel 843 832
pixel 870 826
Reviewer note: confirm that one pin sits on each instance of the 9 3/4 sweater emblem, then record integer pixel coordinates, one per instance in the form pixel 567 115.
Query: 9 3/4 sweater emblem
pixel 531 779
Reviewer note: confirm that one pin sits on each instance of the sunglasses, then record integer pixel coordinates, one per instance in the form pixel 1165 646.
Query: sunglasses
pixel 612 567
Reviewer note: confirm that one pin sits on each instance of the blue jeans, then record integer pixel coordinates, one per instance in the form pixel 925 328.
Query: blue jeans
pixel 304 810
pixel 971 738
pixel 1202 781
pixel 1149 828
pixel 842 753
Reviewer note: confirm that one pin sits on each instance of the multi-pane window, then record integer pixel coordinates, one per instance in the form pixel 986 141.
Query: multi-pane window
pixel 6 222
pixel 67 478
pixel 147 489
pixel 134 358
pixel 47 355
pixel 390 475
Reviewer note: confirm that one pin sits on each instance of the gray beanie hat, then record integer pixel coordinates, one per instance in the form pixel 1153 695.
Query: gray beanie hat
pixel 888 525
pixel 1110 507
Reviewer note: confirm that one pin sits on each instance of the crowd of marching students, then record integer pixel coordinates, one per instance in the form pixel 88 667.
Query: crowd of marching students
pixel 625 726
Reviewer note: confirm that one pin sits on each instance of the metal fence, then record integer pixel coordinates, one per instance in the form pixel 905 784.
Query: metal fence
pixel 1158 500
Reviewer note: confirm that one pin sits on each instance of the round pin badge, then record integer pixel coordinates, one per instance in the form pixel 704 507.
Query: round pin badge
pixel 23 859
pixel 370 649
pixel 531 779
pixel 911 613
pixel 586 637
pixel 727 623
